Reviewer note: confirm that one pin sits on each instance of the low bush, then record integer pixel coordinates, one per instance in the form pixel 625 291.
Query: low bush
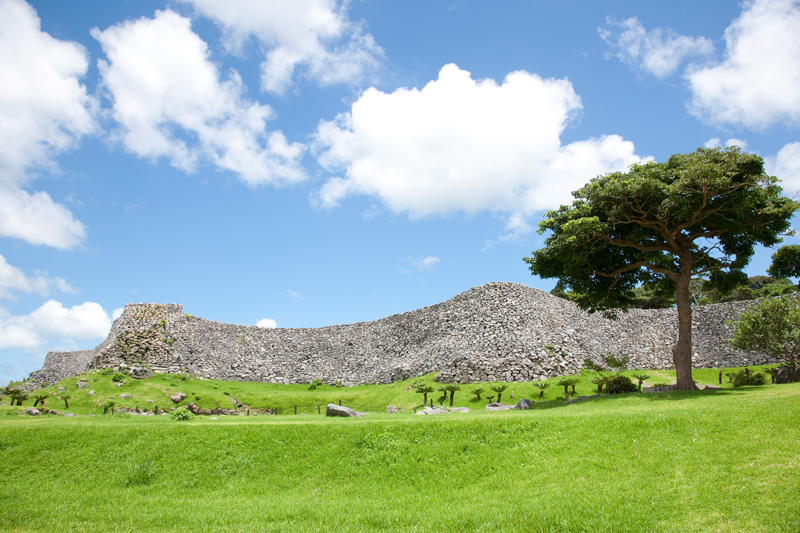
pixel 620 384
pixel 182 414
pixel 747 378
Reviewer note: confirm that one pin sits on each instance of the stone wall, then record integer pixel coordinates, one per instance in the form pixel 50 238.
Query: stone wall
pixel 498 331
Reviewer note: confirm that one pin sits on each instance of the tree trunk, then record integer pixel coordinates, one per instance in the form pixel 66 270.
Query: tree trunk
pixel 499 395
pixel 682 351
pixel 424 399
pixel 452 393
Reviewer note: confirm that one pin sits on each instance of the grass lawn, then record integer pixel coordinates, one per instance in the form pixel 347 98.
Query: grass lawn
pixel 715 460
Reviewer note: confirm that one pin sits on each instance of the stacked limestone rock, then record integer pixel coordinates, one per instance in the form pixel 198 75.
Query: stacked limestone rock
pixel 498 331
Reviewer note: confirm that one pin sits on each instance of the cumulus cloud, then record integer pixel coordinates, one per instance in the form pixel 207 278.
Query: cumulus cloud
pixel 52 322
pixel 659 52
pixel 459 144
pixel 786 167
pixel 717 143
pixel 316 36
pixel 170 101
pixel 13 280
pixel 268 323
pixel 44 110
pixel 756 84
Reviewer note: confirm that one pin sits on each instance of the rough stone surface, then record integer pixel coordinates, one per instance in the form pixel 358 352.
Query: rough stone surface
pixel 494 406
pixel 338 410
pixel 523 404
pixel 434 411
pixel 178 397
pixel 495 332
pixel 787 374
pixel 579 398
pixel 125 396
pixel 33 411
pixel 82 383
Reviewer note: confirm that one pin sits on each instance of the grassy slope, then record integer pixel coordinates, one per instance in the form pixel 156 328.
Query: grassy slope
pixel 723 460
pixel 210 393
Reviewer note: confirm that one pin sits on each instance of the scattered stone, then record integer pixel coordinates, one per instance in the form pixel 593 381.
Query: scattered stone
pixel 33 411
pixel 337 410
pixel 125 396
pixel 664 388
pixel 459 409
pixel 392 409
pixel 119 384
pixel 523 404
pixel 494 406
pixel 60 389
pixel 140 373
pixel 579 398
pixel 91 393
pixel 83 383
pixel 438 410
pixel 178 397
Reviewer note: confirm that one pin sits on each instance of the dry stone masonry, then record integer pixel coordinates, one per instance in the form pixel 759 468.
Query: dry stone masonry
pixel 495 332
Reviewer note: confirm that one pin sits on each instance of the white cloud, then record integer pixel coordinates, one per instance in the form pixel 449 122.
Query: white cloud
pixel 659 52
pixel 786 167
pixel 426 263
pixel 44 110
pixel 37 219
pixel 268 323
pixel 170 102
pixel 13 280
pixel 756 84
pixel 463 145
pixel 52 322
pixel 116 313
pixel 717 143
pixel 315 35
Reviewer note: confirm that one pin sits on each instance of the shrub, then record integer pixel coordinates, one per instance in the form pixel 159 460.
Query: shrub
pixel 314 384
pixel 620 385
pixel 181 414
pixel 118 378
pixel 746 378
pixel 140 473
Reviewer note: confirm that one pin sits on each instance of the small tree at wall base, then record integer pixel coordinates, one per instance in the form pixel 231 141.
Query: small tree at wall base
pixel 659 225
pixel 771 326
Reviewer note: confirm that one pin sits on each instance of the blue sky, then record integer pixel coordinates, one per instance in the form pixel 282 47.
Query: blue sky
pixel 314 162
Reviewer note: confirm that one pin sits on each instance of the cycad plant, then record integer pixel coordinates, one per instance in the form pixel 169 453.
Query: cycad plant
pixel 477 391
pixel 541 386
pixel 499 390
pixel 451 388
pixel 424 388
pixel 641 378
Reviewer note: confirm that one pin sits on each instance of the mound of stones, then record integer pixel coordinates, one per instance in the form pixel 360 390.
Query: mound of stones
pixel 495 332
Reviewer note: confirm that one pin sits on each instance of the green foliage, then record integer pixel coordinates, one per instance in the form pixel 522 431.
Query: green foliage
pixel 659 225
pixel 118 378
pixel 451 389
pixel 747 378
pixel 314 384
pixel 140 473
pixel 541 385
pixel 499 389
pixel 754 288
pixel 182 414
pixel 786 262
pixel 641 378
pixel 771 326
pixel 617 364
pixel 477 391
pixel 620 384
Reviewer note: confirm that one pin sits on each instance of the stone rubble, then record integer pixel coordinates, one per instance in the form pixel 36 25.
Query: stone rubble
pixel 494 332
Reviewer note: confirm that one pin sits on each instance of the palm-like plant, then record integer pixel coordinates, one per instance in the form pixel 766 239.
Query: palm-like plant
pixel 641 379
pixel 600 381
pixel 424 389
pixel 499 390
pixel 451 388
pixel 66 398
pixel 541 386
pixel 477 391
pixel 565 382
pixel 443 397
pixel 39 398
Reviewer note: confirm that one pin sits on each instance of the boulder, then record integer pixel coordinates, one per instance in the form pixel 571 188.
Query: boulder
pixel 579 398
pixel 392 409
pixel 787 374
pixel 125 396
pixel 434 411
pixel 494 406
pixel 33 411
pixel 140 373
pixel 523 404
pixel 82 383
pixel 178 397
pixel 337 410
pixel 91 393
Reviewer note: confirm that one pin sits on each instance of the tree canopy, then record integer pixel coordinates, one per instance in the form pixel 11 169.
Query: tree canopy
pixel 786 262
pixel 659 225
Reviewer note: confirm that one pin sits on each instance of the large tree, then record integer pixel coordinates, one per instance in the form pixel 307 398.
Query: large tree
pixel 660 225
pixel 786 262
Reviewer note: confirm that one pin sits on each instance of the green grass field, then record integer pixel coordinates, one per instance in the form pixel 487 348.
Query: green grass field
pixel 715 460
